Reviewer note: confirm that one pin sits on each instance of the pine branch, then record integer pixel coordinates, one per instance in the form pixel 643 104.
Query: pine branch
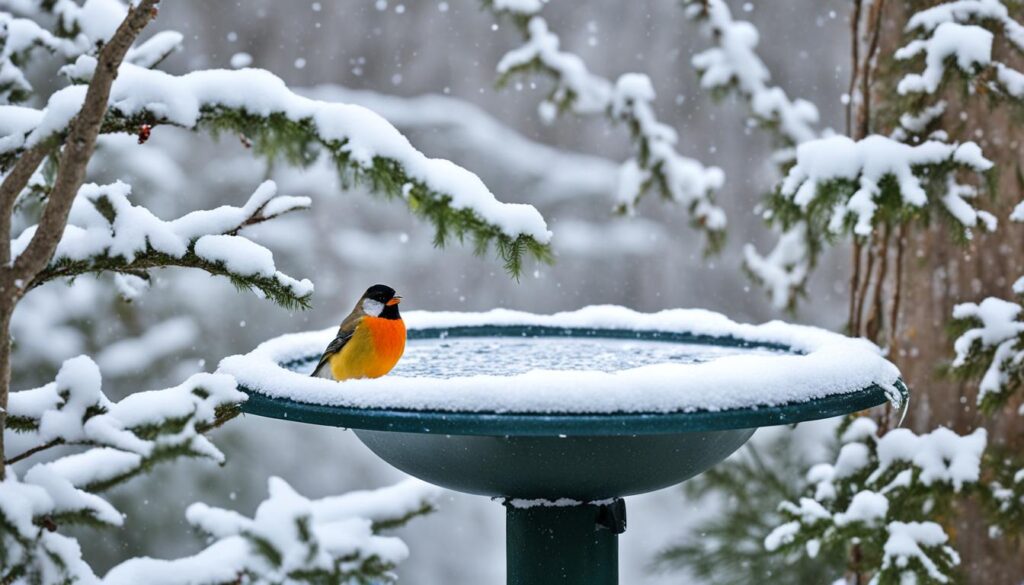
pixel 887 494
pixel 726 548
pixel 79 146
pixel 733 66
pixel 148 243
pixel 363 147
pixel 656 163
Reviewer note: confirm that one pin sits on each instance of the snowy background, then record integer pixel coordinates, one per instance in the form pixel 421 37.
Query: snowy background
pixel 388 56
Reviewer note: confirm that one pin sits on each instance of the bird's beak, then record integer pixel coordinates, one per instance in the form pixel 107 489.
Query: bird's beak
pixel 394 300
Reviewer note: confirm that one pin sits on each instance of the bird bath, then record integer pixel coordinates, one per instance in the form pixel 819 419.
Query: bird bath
pixel 562 439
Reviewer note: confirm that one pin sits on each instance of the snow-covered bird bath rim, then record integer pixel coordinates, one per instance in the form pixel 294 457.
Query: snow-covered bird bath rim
pixel 607 359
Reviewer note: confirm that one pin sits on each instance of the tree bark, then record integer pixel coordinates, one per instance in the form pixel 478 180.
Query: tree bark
pixel 939 273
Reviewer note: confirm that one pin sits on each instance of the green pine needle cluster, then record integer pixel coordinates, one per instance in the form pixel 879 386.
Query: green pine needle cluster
pixel 269 287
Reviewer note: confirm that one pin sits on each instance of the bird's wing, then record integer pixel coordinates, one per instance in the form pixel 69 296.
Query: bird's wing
pixel 345 332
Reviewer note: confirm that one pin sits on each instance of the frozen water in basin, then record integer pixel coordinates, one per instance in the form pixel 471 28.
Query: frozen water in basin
pixel 453 357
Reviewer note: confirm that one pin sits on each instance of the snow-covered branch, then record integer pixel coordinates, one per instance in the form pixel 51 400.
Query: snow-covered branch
pixel 887 494
pixel 963 32
pixel 1005 495
pixel 848 184
pixel 257 105
pixel 553 174
pixel 334 538
pixel 107 233
pixel 657 164
pixel 131 435
pixel 734 65
pixel 838 186
pixel 992 343
pixel 294 539
pixel 82 29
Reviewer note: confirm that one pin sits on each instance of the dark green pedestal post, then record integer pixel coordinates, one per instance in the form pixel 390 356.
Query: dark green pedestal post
pixel 564 545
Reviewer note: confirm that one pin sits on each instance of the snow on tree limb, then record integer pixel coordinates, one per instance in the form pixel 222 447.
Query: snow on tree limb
pixel 363 145
pixel 733 64
pixel 963 32
pixel 875 492
pixel 849 179
pixel 149 426
pixel 991 343
pixel 785 268
pixel 106 232
pixel 557 174
pixel 82 28
pixel 841 187
pixel 657 164
pixel 291 538
pixel 334 538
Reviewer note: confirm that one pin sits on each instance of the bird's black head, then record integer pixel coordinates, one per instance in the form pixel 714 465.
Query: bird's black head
pixel 381 293
pixel 380 300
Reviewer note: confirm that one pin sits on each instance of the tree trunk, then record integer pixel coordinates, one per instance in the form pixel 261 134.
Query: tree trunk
pixel 5 379
pixel 938 274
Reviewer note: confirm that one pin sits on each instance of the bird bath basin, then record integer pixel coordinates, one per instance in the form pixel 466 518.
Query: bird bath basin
pixel 563 416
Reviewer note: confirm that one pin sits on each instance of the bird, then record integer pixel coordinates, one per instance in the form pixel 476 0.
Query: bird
pixel 370 341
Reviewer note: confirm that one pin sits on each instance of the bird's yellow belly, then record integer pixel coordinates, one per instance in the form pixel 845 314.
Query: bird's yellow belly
pixel 373 351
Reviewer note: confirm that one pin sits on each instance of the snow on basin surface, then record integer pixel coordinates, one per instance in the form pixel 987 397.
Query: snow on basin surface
pixel 583 375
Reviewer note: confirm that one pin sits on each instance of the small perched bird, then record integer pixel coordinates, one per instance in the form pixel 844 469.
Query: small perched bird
pixel 370 340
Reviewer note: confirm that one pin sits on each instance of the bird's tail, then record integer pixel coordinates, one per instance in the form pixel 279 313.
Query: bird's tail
pixel 322 370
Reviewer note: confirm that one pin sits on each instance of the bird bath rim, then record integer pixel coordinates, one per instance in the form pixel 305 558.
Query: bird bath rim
pixel 494 423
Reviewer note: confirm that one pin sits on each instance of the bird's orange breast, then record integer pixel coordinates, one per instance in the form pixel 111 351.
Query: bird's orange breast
pixel 375 348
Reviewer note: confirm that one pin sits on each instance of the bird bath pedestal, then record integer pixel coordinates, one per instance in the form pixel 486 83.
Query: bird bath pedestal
pixel 561 476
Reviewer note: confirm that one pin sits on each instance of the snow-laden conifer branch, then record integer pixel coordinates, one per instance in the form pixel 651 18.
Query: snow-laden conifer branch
pixel 553 174
pixel 657 164
pixel 107 233
pixel 991 345
pixel 334 539
pixel 848 186
pixel 1004 494
pixel 124 439
pixel 292 539
pixel 963 32
pixel 885 493
pixel 841 187
pixel 734 65
pixel 82 28
pixel 258 105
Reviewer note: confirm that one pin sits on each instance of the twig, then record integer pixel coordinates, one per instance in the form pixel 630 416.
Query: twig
pixel 875 16
pixel 13 184
pixel 875 317
pixel 863 289
pixel 851 320
pixel 897 292
pixel 34 450
pixel 855 59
